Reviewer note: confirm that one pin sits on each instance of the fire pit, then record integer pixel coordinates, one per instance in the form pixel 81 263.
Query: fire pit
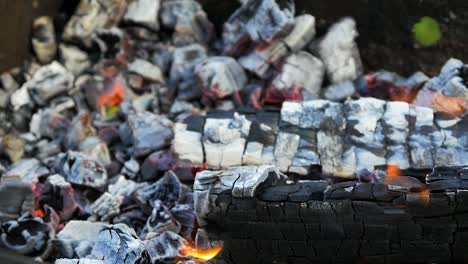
pixel 141 132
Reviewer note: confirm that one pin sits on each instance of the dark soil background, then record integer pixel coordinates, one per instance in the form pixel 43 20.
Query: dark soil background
pixel 385 40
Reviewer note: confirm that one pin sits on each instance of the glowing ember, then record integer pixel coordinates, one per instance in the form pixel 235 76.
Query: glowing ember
pixel 452 106
pixel 39 212
pixel 114 96
pixel 393 172
pixel 200 254
pixel 425 197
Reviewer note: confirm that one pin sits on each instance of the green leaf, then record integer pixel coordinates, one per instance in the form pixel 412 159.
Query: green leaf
pixel 427 31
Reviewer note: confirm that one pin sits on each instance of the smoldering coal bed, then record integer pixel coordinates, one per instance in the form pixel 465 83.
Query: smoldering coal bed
pixel 144 137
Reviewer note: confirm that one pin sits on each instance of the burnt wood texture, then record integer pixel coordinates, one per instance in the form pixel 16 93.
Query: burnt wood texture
pixel 347 222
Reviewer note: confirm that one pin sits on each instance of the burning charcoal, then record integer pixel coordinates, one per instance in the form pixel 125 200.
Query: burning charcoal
pixel 58 194
pixel 27 170
pixel 98 92
pixel 168 190
pixel 124 188
pixel 16 198
pixel 165 247
pixel 90 16
pixel 182 109
pixel 156 164
pixel 106 207
pixel 43 39
pixel 182 75
pixel 261 60
pixel 131 168
pixel 339 52
pixel 80 129
pixel 119 244
pixel 13 146
pixel 184 214
pixel 448 76
pixel 220 77
pixel 28 235
pixel 188 20
pixel 224 141
pixel 144 12
pixel 340 91
pixel 74 59
pixel 257 21
pixel 49 81
pixel 96 150
pixel 147 132
pixel 78 261
pixel 47 149
pixel 49 124
pixel 147 70
pixel 132 215
pixel 160 221
pixel 77 168
pixel 446 93
pixel 77 238
pixel 300 71
pixel 113 46
pixel 20 98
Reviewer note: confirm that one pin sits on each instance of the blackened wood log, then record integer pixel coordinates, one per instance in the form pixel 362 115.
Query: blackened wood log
pixel 349 222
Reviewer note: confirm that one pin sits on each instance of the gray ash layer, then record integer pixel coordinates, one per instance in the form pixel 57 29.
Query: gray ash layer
pixel 343 139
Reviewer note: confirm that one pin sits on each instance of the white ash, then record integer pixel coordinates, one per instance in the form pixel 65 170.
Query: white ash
pixel 74 59
pixel 339 91
pixel 147 70
pixel 90 16
pixel 49 81
pixel 301 70
pixel 106 207
pixel 220 76
pixel 77 238
pixel 262 61
pixel 96 149
pixel 146 132
pixel 144 12
pixel 340 53
pixel 252 21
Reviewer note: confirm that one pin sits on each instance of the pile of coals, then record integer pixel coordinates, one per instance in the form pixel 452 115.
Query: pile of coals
pixel 87 170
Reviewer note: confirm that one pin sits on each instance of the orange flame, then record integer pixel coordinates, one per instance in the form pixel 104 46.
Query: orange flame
pixel 112 97
pixel 393 172
pixel 200 254
pixel 40 213
pixel 425 197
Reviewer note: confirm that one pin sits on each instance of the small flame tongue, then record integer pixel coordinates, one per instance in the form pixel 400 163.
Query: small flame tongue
pixel 200 254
